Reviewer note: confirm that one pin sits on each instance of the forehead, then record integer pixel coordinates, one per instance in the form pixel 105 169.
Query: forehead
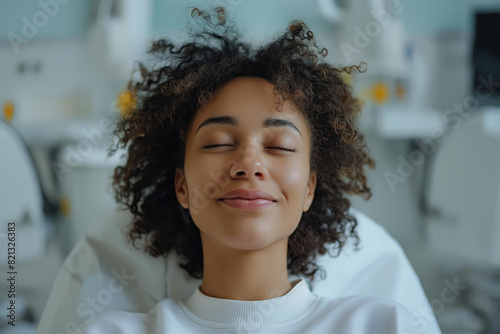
pixel 251 101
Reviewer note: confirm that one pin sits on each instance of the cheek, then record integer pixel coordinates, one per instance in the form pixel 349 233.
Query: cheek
pixel 292 179
pixel 203 177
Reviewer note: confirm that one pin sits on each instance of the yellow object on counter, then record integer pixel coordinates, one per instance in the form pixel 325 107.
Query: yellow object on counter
pixel 380 92
pixel 126 102
pixel 8 110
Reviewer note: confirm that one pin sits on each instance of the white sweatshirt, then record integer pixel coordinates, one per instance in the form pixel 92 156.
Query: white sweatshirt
pixel 298 311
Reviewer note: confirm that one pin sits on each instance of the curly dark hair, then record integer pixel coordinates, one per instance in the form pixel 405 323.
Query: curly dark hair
pixel 183 79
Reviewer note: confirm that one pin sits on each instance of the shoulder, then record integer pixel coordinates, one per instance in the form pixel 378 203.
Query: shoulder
pixel 365 312
pixel 366 303
pixel 120 322
pixel 371 307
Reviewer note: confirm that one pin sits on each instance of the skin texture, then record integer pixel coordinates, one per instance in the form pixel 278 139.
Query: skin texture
pixel 245 251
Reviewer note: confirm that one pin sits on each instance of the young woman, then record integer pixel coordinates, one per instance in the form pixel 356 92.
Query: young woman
pixel 239 160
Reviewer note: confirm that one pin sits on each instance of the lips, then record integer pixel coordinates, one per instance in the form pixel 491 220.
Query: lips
pixel 248 199
pixel 248 194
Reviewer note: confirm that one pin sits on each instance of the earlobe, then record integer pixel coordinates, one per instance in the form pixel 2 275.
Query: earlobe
pixel 311 188
pixel 181 188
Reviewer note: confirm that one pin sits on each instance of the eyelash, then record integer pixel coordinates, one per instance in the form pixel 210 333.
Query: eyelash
pixel 278 147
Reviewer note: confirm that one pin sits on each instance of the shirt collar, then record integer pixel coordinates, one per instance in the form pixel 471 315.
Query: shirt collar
pixel 202 308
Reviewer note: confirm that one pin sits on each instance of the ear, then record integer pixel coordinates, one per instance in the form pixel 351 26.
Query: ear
pixel 181 188
pixel 311 187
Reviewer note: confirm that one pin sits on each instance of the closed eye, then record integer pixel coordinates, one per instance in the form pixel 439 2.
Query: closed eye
pixel 283 148
pixel 273 147
pixel 210 146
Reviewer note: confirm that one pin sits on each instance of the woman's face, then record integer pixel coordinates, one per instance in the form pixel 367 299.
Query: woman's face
pixel 242 119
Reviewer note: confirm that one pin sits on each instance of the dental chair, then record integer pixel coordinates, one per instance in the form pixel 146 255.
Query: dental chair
pixel 463 223
pixel 22 203
pixel 104 272
pixel 20 196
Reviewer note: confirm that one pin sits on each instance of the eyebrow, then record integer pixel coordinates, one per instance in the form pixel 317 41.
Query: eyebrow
pixel 268 122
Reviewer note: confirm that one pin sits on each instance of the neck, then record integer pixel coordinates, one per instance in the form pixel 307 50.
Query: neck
pixel 244 274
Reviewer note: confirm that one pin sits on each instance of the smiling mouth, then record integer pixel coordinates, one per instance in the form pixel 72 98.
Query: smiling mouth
pixel 248 204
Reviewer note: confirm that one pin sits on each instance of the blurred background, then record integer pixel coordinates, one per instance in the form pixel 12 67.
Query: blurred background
pixel 431 118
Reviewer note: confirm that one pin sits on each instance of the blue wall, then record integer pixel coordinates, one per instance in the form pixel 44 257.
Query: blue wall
pixel 71 20
pixel 259 16
pixel 255 16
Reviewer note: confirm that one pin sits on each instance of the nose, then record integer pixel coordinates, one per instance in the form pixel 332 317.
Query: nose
pixel 247 164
